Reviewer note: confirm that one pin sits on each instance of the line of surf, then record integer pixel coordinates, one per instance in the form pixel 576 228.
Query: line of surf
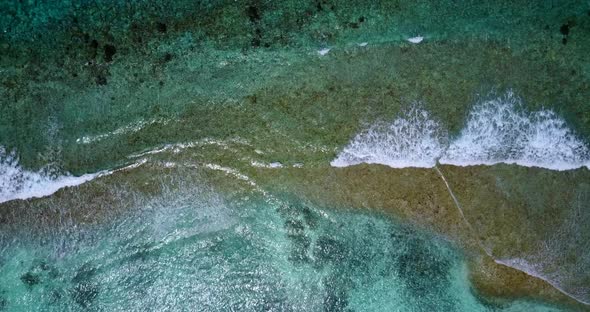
pixel 497 131
pixel 19 183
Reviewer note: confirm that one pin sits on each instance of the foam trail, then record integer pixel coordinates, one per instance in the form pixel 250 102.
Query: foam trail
pixel 18 183
pixel 131 128
pixel 411 140
pixel 533 269
pixel 500 131
pixel 458 205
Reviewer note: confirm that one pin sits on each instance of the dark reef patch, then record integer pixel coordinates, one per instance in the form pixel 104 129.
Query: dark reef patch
pixel 253 13
pixel 311 219
pixel 84 294
pixel 335 297
pixel 93 49
pixel 167 57
pixel 30 279
pixel 109 51
pixel 38 272
pixel 329 250
pixel 85 290
pixel 299 241
pixel 335 300
pixel 422 269
pixel 161 27
pixel 565 29
pixel 101 80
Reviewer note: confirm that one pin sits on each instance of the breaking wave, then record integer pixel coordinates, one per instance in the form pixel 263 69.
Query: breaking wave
pixel 411 140
pixel 500 131
pixel 19 183
pixel 497 131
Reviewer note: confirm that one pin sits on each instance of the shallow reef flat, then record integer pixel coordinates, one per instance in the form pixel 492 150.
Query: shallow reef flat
pixel 509 218
pixel 69 90
pixel 295 155
pixel 498 221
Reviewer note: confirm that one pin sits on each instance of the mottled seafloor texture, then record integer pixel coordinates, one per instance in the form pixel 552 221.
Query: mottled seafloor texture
pixel 294 155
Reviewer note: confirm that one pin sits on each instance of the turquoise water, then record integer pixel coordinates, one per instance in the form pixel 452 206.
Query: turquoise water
pixel 192 250
pixel 323 155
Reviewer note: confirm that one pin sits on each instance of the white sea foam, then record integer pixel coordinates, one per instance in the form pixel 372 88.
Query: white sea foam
pixel 496 131
pixel 178 147
pixel 258 164
pixel 416 40
pixel 501 131
pixel 556 278
pixel 324 51
pixel 411 140
pixel 131 128
pixel 18 183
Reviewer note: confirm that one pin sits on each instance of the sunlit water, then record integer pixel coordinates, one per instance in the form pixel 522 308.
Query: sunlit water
pixel 294 156
pixel 191 249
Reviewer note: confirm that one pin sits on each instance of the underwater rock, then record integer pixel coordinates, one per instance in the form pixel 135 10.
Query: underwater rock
pixel 167 57
pixel 84 294
pixel 299 249
pixel 109 52
pixel 161 27
pixel 253 13
pixel 39 271
pixel 565 29
pixel 299 241
pixel 422 270
pixel 294 227
pixel 30 279
pixel 85 290
pixel 329 250
pixel 310 218
pixel 101 80
pixel 335 301
pixel 335 297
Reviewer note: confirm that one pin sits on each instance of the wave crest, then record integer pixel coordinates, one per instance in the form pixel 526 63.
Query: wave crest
pixel 501 131
pixel 18 183
pixel 497 131
pixel 411 140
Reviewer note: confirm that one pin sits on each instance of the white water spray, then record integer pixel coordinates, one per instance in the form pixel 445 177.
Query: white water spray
pixel 496 131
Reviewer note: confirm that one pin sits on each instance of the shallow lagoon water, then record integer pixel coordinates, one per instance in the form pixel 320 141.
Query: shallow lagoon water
pixel 221 155
pixel 191 249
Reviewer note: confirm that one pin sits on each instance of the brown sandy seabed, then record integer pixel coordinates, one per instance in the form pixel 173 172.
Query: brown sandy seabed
pixel 508 211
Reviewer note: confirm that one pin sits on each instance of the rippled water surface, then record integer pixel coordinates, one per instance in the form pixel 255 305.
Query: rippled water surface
pixel 294 156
